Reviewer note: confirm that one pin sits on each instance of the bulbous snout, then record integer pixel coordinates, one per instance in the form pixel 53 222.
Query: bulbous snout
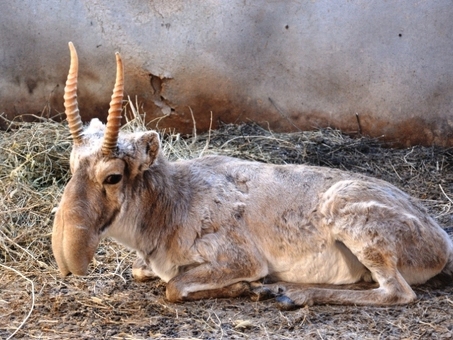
pixel 73 243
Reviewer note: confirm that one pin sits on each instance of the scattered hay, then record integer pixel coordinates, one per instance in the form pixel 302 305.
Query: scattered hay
pixel 108 304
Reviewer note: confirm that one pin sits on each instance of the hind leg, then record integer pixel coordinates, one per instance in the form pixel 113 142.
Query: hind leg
pixel 392 290
pixel 387 233
pixel 261 292
pixel 392 287
pixel 379 252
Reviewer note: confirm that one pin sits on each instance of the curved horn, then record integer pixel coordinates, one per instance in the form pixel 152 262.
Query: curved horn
pixel 70 98
pixel 114 118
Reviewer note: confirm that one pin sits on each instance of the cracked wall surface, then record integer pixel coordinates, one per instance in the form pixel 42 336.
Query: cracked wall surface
pixel 379 68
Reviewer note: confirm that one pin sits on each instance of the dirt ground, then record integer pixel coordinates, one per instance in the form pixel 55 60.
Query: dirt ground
pixel 36 303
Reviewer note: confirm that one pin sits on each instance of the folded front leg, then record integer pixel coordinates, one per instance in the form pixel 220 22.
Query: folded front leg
pixel 207 281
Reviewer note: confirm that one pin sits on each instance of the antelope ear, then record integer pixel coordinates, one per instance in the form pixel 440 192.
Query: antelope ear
pixel 148 145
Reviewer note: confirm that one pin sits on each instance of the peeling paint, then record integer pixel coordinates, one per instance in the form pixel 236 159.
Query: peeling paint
pixel 157 85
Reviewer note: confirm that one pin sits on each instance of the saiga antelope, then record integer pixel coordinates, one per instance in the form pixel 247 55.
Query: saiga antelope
pixel 219 227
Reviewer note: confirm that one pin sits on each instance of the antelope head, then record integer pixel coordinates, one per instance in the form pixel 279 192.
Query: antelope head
pixel 103 163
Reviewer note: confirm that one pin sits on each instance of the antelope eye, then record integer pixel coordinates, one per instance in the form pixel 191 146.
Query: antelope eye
pixel 113 179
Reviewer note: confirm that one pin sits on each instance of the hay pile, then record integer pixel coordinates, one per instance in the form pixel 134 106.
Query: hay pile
pixel 36 303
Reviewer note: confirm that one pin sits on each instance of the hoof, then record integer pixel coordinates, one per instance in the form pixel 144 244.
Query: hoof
pixel 261 294
pixel 239 289
pixel 141 272
pixel 285 303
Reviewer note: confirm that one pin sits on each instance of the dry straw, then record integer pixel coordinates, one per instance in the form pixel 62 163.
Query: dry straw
pixel 36 303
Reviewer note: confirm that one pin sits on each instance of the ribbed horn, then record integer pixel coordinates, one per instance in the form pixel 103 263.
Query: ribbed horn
pixel 114 118
pixel 70 98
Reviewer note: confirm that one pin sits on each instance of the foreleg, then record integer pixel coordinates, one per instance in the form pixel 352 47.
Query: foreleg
pixel 207 281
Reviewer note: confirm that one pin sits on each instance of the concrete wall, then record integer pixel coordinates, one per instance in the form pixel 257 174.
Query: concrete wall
pixel 304 63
